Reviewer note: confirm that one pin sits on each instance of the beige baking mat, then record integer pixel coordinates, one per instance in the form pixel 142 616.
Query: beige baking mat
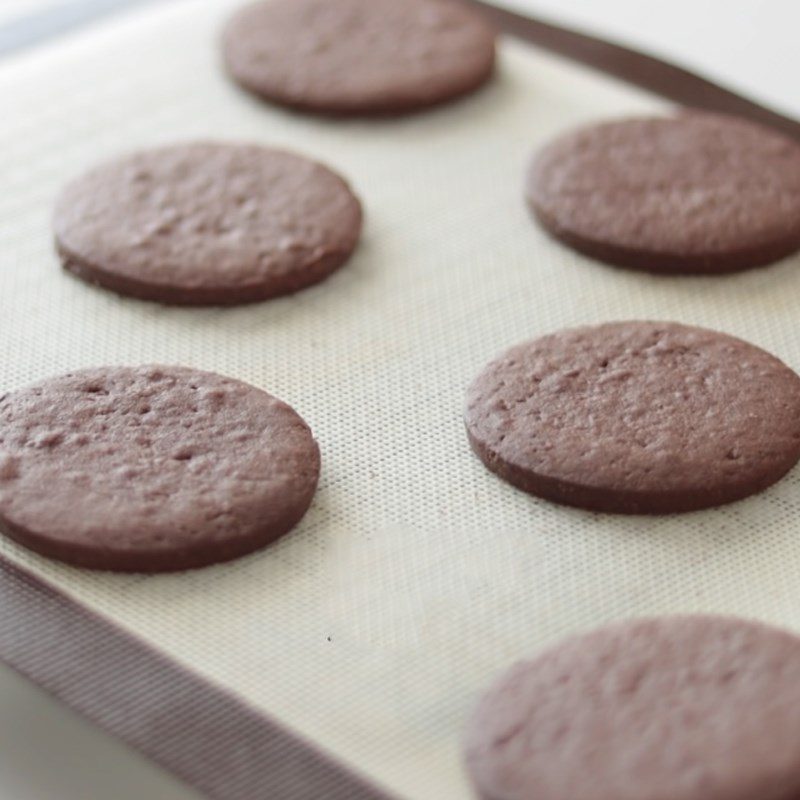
pixel 417 575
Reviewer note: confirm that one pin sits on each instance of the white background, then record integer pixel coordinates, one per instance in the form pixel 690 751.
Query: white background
pixel 49 753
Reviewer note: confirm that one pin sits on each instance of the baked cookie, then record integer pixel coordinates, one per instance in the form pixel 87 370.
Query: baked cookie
pixel 207 224
pixel 696 193
pixel 151 469
pixel 359 56
pixel 682 708
pixel 637 417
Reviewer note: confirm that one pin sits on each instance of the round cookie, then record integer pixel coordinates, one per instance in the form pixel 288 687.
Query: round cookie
pixel 207 224
pixel 637 417
pixel 682 708
pixel 151 469
pixel 359 57
pixel 697 193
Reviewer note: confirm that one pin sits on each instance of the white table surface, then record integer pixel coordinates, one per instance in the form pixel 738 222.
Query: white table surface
pixel 47 752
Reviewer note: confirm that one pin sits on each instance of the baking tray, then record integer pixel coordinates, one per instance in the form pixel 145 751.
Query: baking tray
pixel 343 661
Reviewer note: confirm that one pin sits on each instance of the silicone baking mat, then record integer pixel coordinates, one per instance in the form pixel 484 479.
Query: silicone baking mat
pixel 358 644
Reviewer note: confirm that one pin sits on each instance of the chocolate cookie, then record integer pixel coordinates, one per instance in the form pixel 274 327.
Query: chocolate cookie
pixel 682 708
pixel 207 224
pixel 637 417
pixel 151 468
pixel 359 56
pixel 699 193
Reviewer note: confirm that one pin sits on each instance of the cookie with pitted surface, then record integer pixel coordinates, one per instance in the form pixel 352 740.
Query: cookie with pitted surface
pixel 676 708
pixel 359 56
pixel 151 468
pixel 637 417
pixel 695 193
pixel 207 224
